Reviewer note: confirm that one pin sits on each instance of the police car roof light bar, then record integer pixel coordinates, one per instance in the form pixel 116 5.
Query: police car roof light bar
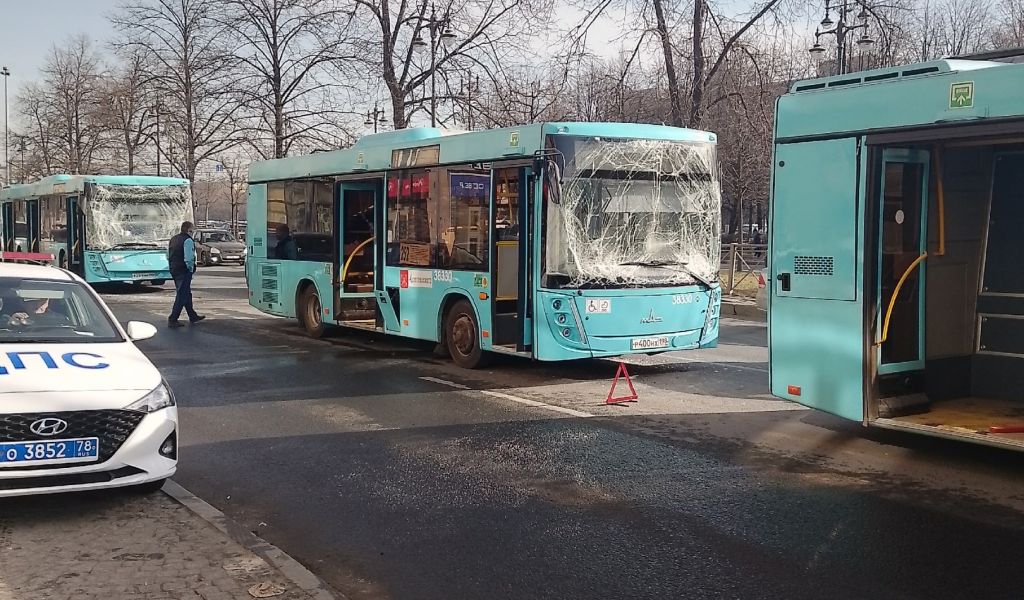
pixel 26 256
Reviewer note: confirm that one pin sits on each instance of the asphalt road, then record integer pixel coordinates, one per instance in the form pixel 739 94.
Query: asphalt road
pixel 393 474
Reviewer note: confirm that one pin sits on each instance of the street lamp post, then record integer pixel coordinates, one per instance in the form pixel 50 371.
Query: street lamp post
pixel 7 157
pixel 156 109
pixel 446 36
pixel 841 28
pixel 375 117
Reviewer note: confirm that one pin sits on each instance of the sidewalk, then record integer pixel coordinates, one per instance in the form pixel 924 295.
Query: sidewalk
pixel 742 308
pixel 112 545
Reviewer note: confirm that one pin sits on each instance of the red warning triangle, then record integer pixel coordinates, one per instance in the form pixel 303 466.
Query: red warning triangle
pixel 622 372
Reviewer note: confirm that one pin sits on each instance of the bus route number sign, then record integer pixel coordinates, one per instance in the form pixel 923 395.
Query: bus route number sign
pixel 599 306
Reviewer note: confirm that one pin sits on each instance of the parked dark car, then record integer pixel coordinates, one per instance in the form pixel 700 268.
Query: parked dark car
pixel 217 246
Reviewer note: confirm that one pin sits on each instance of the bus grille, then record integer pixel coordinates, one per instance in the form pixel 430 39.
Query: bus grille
pixel 814 265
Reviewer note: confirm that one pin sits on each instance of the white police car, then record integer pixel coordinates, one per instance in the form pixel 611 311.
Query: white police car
pixel 81 407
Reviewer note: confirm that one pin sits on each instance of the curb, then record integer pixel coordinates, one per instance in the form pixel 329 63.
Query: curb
pixel 747 312
pixel 302 577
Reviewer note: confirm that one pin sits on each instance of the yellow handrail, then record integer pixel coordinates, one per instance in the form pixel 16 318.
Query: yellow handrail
pixel 344 270
pixel 895 294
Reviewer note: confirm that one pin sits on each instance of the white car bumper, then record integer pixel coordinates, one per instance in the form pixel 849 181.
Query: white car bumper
pixel 137 461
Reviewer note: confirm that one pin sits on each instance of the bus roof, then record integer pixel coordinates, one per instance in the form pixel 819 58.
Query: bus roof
pixel 65 184
pixel 911 96
pixel 374 152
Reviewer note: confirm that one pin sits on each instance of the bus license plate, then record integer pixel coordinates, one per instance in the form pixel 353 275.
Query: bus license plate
pixel 142 275
pixel 50 452
pixel 649 343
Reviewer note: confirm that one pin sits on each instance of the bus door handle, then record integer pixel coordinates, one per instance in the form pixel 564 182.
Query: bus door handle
pixel 785 279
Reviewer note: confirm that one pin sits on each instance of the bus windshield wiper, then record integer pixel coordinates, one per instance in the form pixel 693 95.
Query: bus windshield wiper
pixel 133 245
pixel 669 263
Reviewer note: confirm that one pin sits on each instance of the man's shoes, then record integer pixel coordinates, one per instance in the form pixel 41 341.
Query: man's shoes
pixel 175 324
pixel 197 319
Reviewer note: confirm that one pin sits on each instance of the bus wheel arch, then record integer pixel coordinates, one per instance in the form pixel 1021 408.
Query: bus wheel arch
pixel 309 309
pixel 461 332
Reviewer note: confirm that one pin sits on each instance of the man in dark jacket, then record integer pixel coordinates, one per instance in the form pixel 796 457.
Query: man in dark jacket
pixel 285 248
pixel 181 255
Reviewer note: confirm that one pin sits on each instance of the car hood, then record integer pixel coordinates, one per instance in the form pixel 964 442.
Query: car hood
pixel 226 246
pixel 70 368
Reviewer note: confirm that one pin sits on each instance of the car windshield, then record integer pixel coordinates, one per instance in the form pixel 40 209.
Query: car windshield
pixel 634 212
pixel 217 236
pixel 44 311
pixel 136 216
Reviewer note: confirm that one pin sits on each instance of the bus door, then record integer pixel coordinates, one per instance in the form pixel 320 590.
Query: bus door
pixel 75 241
pixel 816 317
pixel 32 220
pixel 513 256
pixel 902 241
pixel 357 269
pixel 8 224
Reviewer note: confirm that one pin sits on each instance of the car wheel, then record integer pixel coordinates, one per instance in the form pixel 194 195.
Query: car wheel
pixel 311 313
pixel 462 336
pixel 149 487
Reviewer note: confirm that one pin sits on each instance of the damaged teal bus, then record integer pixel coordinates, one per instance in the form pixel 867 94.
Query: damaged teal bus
pixel 897 291
pixel 552 241
pixel 104 228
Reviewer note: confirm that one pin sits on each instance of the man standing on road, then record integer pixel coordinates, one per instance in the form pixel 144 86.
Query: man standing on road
pixel 181 254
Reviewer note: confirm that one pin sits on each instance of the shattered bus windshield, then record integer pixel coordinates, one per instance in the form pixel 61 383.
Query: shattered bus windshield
pixel 124 217
pixel 634 213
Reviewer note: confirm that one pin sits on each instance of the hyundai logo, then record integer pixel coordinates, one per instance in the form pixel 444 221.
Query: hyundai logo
pixel 651 318
pixel 48 426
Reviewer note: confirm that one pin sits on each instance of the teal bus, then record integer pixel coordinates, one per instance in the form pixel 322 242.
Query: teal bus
pixel 553 241
pixel 896 291
pixel 105 228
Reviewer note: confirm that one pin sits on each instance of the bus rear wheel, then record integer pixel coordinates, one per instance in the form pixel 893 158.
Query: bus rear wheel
pixel 462 336
pixel 311 313
pixel 63 261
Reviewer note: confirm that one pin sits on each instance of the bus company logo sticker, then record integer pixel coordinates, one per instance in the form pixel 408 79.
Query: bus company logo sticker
pixel 684 299
pixel 411 278
pixel 479 281
pixel 961 95
pixel 599 306
pixel 444 276
pixel 651 318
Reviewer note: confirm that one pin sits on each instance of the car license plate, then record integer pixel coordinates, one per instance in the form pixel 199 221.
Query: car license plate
pixel 142 275
pixel 649 343
pixel 49 452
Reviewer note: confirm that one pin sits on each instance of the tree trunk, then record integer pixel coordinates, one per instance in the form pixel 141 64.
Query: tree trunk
pixel 670 65
pixel 697 93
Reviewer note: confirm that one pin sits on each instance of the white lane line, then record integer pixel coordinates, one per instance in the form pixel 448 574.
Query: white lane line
pixel 457 386
pixel 537 404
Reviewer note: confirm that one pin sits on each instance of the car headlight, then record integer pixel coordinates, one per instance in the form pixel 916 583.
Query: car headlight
pixel 161 397
pixel 215 251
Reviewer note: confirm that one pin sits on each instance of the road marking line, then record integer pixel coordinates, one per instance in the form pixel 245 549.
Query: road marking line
pixel 538 404
pixel 457 386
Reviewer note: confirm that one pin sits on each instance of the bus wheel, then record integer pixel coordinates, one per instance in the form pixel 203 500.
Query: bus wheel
pixel 311 313
pixel 63 261
pixel 462 333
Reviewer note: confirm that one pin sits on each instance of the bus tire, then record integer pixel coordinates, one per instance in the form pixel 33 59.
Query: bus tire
pixel 462 335
pixel 63 260
pixel 311 313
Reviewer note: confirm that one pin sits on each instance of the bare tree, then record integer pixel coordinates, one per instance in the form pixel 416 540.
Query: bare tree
pixel 196 74
pixel 131 107
pixel 38 112
pixel 1010 31
pixel 479 33
pixel 71 101
pixel 285 47
pixel 708 51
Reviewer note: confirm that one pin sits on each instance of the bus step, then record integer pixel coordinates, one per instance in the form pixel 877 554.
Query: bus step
pixel 902 406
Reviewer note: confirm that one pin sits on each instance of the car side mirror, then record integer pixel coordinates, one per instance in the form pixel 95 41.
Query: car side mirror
pixel 139 330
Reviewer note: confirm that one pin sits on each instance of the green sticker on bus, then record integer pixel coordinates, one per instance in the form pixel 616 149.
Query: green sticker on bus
pixel 513 139
pixel 961 95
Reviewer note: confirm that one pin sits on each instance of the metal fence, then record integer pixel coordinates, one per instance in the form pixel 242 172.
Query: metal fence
pixel 741 266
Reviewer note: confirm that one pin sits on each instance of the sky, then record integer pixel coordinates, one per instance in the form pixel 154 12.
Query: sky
pixel 31 27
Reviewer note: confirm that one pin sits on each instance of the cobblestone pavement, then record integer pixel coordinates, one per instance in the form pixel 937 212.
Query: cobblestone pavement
pixel 114 545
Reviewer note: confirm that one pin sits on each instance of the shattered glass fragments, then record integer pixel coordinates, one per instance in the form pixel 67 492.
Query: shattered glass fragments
pixel 120 216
